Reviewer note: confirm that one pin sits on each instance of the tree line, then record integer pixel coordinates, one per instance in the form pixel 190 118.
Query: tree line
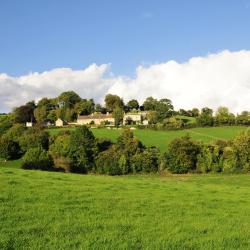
pixel 160 113
pixel 79 151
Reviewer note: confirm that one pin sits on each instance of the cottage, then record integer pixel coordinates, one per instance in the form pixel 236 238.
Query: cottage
pixel 95 119
pixel 60 123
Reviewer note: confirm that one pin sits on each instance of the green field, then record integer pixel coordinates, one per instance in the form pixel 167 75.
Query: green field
pixel 48 210
pixel 162 138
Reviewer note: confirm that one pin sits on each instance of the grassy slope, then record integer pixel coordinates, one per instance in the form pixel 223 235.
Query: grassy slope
pixel 45 210
pixel 162 138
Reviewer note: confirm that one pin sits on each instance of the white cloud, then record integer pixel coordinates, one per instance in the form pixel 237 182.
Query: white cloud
pixel 221 79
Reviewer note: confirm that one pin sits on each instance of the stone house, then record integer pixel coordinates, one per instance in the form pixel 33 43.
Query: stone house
pixel 97 119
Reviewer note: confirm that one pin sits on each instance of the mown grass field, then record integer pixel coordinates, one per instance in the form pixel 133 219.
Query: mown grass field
pixel 48 210
pixel 161 139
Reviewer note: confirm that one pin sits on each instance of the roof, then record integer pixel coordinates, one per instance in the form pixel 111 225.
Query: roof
pixel 94 116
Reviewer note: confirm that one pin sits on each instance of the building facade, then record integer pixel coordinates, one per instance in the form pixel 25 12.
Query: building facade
pixel 97 119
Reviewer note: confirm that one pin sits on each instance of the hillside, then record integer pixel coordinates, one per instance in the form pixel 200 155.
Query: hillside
pixel 161 139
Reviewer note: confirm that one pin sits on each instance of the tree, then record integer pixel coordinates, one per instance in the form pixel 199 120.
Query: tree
pixel 60 150
pixel 146 161
pixel 83 149
pixel 243 118
pixel 37 158
pixel 118 116
pixel 241 147
pixel 206 117
pixel 133 104
pixel 113 101
pixel 68 99
pixel 100 109
pixel 181 156
pixel 150 103
pixel 15 132
pixel 40 114
pixel 24 113
pixel 195 112
pixel 85 107
pixel 9 149
pixel 164 109
pixel 223 116
pixel 110 162
pixel 52 115
pixel 128 144
pixel 34 138
pixel 208 159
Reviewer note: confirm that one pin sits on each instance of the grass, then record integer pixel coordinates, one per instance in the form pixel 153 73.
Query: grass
pixel 47 210
pixel 161 139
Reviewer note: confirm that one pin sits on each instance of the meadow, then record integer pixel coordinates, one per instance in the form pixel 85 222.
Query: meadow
pixel 49 210
pixel 161 139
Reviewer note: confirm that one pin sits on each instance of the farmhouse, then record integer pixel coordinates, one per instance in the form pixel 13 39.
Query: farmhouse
pixel 134 118
pixel 60 123
pixel 95 119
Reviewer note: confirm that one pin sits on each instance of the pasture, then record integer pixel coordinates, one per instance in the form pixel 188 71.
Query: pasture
pixel 49 210
pixel 161 139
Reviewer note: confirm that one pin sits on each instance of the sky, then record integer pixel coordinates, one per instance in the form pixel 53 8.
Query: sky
pixel 194 52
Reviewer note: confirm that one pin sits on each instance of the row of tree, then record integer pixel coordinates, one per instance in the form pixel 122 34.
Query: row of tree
pixel 68 105
pixel 79 151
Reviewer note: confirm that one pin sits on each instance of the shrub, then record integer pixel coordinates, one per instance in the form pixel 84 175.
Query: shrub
pixel 147 161
pixel 59 150
pixel 241 146
pixel 208 159
pixel 34 138
pixel 182 155
pixel 108 162
pixel 15 132
pixel 82 149
pixel 9 149
pixel 37 158
pixel 229 160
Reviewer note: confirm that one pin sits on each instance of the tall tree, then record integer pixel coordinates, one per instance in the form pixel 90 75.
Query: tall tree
pixel 68 99
pixel 133 104
pixel 118 116
pixel 113 101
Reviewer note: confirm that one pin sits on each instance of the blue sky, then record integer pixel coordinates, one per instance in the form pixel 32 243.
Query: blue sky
pixel 45 34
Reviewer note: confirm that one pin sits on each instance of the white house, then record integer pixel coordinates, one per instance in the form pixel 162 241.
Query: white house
pixel 134 118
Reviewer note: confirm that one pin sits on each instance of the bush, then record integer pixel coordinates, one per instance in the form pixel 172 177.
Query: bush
pixel 15 132
pixel 82 149
pixel 182 155
pixel 110 162
pixel 36 158
pixel 229 160
pixel 9 149
pixel 59 150
pixel 241 146
pixel 147 161
pixel 34 138
pixel 208 159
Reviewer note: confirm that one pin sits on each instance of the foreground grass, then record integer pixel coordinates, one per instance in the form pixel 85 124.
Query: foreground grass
pixel 47 210
pixel 161 139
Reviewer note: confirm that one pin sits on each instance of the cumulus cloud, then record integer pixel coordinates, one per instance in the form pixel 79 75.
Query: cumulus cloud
pixel 221 79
